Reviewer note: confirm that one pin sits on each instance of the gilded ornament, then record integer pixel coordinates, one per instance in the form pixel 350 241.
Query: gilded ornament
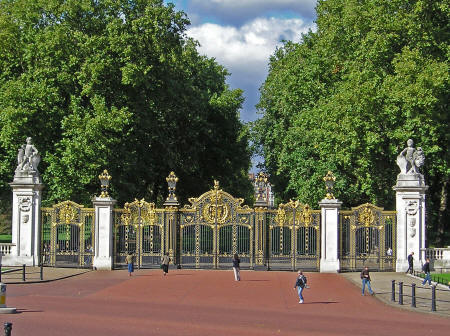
pixel 280 218
pixel 329 180
pixel 306 215
pixel 68 214
pixel 366 217
pixel 104 182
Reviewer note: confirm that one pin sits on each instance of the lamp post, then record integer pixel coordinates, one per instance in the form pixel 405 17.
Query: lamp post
pixel 104 182
pixel 329 184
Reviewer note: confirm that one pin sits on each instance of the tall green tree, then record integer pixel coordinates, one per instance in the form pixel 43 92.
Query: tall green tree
pixel 116 84
pixel 348 96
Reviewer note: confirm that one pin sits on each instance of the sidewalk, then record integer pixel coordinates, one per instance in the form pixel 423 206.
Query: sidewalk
pixel 32 274
pixel 382 286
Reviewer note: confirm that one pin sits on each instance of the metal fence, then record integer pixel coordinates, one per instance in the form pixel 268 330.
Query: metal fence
pixel 420 296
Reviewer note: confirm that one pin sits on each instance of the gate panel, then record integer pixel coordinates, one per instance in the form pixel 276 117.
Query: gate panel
pixel 214 228
pixel 367 234
pixel 67 235
pixel 139 230
pixel 294 238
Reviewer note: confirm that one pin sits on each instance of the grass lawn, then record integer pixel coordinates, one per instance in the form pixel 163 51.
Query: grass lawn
pixel 5 238
pixel 443 278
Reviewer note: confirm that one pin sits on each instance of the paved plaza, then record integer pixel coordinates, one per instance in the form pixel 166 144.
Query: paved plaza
pixel 199 302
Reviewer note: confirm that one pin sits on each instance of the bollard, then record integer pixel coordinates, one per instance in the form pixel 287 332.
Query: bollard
pixel 433 298
pixel 41 275
pixel 23 272
pixel 0 272
pixel 8 328
pixel 400 293
pixel 413 295
pixel 393 291
pixel 2 295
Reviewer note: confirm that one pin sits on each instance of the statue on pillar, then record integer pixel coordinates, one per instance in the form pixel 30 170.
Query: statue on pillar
pixel 410 159
pixel 28 158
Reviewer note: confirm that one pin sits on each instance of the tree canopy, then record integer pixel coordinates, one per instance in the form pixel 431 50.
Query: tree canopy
pixel 117 85
pixel 348 96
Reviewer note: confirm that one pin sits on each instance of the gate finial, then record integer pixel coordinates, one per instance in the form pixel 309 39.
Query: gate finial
pixel 172 180
pixel 329 184
pixel 104 182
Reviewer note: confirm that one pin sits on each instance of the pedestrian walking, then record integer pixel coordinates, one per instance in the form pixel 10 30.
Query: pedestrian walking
pixel 165 260
pixel 237 268
pixel 129 259
pixel 410 263
pixel 365 277
pixel 426 270
pixel 300 284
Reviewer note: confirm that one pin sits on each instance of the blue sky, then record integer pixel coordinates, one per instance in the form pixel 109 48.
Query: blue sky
pixel 242 34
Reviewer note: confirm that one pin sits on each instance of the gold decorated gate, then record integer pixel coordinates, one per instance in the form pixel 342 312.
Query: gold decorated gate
pixel 214 228
pixel 294 237
pixel 367 238
pixel 139 230
pixel 67 235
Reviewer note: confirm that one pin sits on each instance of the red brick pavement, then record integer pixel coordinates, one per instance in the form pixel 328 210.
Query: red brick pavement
pixel 189 302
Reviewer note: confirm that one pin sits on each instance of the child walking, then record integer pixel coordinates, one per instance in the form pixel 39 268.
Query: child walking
pixel 129 259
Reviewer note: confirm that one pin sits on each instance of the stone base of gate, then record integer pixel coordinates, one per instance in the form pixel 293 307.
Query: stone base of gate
pixel 103 263
pixel 402 265
pixel 9 260
pixel 329 266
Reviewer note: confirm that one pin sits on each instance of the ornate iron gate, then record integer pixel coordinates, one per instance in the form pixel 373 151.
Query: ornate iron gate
pixel 67 235
pixel 214 228
pixel 294 237
pixel 139 230
pixel 367 238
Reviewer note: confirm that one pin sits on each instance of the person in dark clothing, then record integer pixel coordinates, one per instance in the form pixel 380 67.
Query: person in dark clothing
pixel 365 277
pixel 165 260
pixel 300 284
pixel 426 270
pixel 237 268
pixel 410 263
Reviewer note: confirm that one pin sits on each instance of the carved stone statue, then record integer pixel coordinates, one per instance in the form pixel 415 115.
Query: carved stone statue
pixel 410 159
pixel 28 158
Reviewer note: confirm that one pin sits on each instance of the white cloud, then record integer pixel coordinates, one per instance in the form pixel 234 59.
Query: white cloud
pixel 245 51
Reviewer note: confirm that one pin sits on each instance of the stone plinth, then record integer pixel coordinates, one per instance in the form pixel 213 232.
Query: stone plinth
pixel 26 219
pixel 410 205
pixel 329 260
pixel 104 233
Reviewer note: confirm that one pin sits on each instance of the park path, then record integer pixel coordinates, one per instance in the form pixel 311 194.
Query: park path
pixel 190 302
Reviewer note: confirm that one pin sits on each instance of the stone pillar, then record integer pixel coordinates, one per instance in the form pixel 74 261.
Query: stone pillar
pixel 410 205
pixel 26 209
pixel 26 221
pixel 104 233
pixel 329 259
